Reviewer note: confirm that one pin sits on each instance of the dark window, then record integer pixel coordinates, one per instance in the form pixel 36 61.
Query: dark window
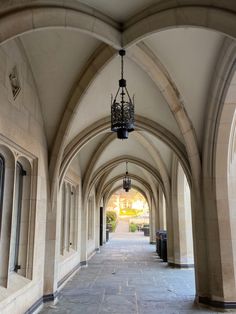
pixel 2 174
pixel 20 173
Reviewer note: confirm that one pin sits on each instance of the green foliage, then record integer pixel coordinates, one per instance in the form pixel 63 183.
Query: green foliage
pixel 132 227
pixel 130 212
pixel 111 216
pixel 111 219
pixel 113 225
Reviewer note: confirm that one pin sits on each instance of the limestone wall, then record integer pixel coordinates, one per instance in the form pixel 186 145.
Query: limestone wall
pixel 22 132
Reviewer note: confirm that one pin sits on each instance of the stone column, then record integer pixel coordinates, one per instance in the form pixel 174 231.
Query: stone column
pixel 152 222
pixel 157 220
pixel 161 220
pixel 52 248
pixel 182 218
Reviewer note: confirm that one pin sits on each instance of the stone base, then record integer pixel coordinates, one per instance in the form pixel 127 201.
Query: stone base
pixel 45 299
pixel 181 265
pixel 216 304
pixel 69 275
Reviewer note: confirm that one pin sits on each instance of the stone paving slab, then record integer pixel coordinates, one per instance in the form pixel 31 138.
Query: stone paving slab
pixel 127 277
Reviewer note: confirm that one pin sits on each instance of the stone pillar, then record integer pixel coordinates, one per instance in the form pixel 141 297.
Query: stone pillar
pixel 219 190
pixel 168 226
pixel 182 218
pixel 157 220
pixel 152 222
pixel 161 212
pixel 52 248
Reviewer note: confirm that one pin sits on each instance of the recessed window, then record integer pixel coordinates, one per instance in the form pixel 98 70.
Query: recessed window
pixel 90 219
pixel 68 217
pixel 73 218
pixel 2 174
pixel 14 260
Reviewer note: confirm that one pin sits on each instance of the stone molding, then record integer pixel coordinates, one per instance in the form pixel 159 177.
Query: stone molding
pixel 44 299
pixel 216 304
pixel 175 265
pixel 210 16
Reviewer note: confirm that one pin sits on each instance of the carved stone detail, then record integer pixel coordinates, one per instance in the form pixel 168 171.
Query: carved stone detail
pixel 15 82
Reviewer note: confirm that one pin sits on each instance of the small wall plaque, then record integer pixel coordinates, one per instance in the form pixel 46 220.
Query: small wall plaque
pixel 15 83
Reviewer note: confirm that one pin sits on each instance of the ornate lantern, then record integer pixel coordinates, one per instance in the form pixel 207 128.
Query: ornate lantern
pixel 122 112
pixel 126 180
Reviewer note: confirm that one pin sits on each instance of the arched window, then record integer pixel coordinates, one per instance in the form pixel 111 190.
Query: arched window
pixel 14 259
pixel 68 217
pixel 90 219
pixel 73 218
pixel 65 217
pixel 17 216
pixel 7 166
pixel 63 210
pixel 2 174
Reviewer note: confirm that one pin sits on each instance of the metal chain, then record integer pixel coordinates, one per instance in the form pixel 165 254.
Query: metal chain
pixel 122 67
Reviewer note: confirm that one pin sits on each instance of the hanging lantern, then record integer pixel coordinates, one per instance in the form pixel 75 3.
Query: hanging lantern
pixel 122 112
pixel 126 180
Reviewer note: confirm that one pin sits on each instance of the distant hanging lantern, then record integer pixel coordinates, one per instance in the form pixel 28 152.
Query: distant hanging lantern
pixel 126 180
pixel 122 112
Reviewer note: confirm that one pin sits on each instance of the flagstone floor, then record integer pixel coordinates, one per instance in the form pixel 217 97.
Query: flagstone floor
pixel 127 277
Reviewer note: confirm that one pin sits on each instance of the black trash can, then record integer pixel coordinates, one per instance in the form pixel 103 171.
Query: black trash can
pixel 107 234
pixel 158 241
pixel 146 230
pixel 163 246
pixel 157 244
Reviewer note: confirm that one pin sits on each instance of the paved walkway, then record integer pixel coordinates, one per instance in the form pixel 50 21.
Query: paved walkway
pixel 122 226
pixel 127 277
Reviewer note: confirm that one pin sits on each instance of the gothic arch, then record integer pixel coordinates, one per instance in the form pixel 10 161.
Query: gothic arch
pixel 108 186
pixel 135 187
pixel 143 123
pixel 215 17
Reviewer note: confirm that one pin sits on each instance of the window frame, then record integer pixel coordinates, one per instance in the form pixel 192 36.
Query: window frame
pixel 19 181
pixel 2 181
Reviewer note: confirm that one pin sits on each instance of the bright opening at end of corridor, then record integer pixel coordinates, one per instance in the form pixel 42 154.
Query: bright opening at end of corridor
pixel 127 212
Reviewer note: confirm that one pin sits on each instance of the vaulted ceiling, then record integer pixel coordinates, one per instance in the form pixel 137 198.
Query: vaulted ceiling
pixel 59 57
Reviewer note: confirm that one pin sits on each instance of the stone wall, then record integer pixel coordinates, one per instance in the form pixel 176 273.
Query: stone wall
pixel 22 132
